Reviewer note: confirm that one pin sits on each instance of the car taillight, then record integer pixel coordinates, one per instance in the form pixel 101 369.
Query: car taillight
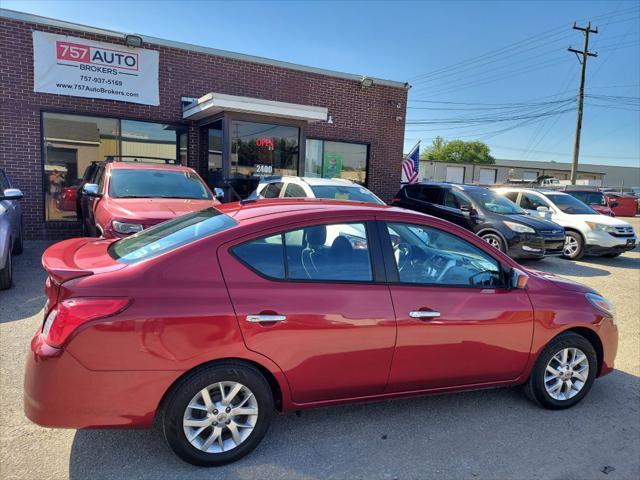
pixel 69 314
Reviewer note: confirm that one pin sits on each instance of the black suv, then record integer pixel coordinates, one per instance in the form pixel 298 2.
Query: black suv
pixel 494 218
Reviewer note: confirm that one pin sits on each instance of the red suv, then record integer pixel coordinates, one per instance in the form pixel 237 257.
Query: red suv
pixel 213 321
pixel 122 198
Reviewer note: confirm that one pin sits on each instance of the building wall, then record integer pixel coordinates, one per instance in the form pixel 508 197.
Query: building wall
pixel 374 115
pixel 437 172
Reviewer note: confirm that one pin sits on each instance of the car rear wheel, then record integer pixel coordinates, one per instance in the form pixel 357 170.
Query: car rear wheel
pixel 494 240
pixel 563 373
pixel 573 246
pixel 218 414
pixel 6 274
pixel 18 245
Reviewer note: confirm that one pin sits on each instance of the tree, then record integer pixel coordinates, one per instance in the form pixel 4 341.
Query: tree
pixel 458 151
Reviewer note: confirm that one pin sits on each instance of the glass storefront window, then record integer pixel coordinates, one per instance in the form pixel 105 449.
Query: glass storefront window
pixel 260 149
pixel 214 154
pixel 336 160
pixel 72 142
pixel 144 140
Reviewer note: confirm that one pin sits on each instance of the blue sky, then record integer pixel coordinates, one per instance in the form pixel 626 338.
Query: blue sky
pixel 462 58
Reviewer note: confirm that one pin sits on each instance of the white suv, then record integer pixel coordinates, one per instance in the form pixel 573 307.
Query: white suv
pixel 587 231
pixel 309 187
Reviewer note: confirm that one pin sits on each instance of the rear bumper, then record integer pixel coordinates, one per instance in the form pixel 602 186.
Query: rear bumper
pixel 60 392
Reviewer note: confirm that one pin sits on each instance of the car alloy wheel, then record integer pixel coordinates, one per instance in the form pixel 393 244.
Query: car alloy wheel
pixel 220 417
pixel 493 240
pixel 566 373
pixel 571 246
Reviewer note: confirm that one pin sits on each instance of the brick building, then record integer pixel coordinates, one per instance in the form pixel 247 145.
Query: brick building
pixel 230 116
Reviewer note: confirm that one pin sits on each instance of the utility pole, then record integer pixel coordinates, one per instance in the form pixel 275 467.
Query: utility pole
pixel 585 53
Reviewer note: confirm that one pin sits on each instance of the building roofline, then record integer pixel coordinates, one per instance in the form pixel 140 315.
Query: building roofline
pixel 38 19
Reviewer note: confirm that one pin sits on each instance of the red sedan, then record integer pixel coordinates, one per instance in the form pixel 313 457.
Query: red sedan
pixel 217 319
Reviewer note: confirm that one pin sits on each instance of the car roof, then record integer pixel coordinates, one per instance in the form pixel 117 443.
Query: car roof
pixel 148 166
pixel 313 181
pixel 461 186
pixel 285 206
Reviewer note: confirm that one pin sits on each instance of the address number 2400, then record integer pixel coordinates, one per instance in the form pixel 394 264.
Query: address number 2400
pixel 264 169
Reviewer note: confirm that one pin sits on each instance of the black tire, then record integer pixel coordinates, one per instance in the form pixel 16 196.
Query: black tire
pixel 18 245
pixel 180 396
pixel 535 386
pixel 494 240
pixel 579 251
pixel 6 274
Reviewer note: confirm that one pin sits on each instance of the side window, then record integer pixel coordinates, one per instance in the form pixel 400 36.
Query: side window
pixel 99 179
pixel 294 190
pixel 529 201
pixel 272 190
pixel 513 196
pixel 426 255
pixel 265 255
pixel 454 199
pixel 336 252
pixel 424 193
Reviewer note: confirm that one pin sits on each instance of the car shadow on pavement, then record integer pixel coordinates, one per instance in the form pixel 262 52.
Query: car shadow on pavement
pixel 623 261
pixel 26 297
pixel 493 433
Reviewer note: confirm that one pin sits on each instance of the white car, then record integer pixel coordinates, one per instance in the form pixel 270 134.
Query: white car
pixel 587 231
pixel 309 187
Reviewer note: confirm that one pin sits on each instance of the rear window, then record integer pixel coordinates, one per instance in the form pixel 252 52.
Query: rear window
pixel 134 183
pixel 170 235
pixel 355 193
pixel 590 198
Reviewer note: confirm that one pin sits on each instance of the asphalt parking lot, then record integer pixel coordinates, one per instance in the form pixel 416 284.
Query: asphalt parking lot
pixel 492 434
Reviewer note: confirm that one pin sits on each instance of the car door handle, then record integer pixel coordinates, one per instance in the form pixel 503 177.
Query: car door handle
pixel 424 314
pixel 265 318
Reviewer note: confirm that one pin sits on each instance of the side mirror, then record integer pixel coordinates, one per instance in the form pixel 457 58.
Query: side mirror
pixel 518 279
pixel 91 190
pixel 543 209
pixel 219 193
pixel 11 194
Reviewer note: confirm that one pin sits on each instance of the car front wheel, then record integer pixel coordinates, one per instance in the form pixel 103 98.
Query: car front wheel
pixel 573 246
pixel 563 373
pixel 494 240
pixel 218 414
pixel 6 273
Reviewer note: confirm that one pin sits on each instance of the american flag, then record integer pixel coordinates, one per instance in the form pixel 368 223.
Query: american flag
pixel 411 165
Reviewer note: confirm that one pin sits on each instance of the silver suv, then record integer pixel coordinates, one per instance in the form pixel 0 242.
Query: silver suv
pixel 10 228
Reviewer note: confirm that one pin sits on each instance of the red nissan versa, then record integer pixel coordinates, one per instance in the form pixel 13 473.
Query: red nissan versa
pixel 214 320
pixel 122 198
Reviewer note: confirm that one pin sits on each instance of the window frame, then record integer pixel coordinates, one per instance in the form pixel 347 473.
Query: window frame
pixel 378 274
pixel 393 275
pixel 324 140
pixel 43 149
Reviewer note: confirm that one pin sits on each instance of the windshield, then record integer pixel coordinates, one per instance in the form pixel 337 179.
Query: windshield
pixel 494 202
pixel 570 205
pixel 170 235
pixel 338 192
pixel 590 198
pixel 134 183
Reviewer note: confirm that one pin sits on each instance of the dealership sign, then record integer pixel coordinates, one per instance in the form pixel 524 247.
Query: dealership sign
pixel 82 68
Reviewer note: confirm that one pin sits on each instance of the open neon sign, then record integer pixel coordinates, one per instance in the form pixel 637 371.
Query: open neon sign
pixel 265 142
